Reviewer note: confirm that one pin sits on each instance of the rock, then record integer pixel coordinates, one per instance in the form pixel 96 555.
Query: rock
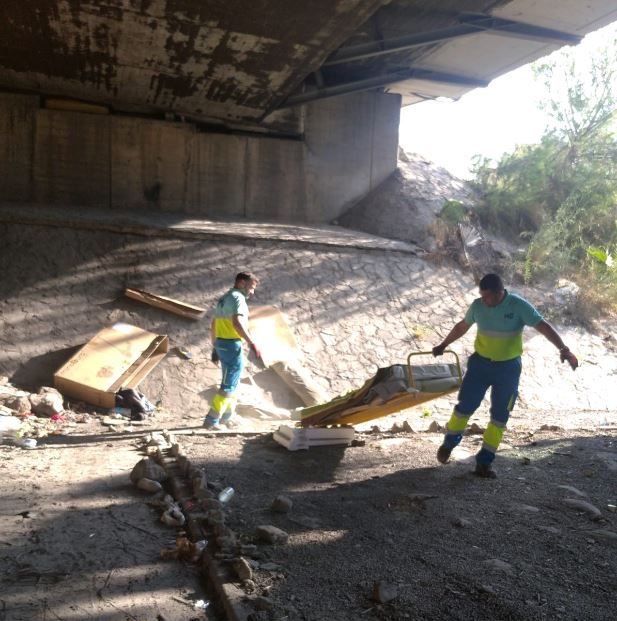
pixel 550 529
pixel 551 428
pixel 384 592
pixel 435 427
pixel 47 402
pixel 281 504
pixel 573 490
pixel 475 429
pixel 173 517
pixel 593 511
pixel 148 485
pixel 407 428
pixel 270 566
pixel 485 588
pixel 21 405
pixel 243 569
pixel 605 535
pixel 355 442
pixel 262 603
pixel 462 522
pixel 527 508
pixel 499 565
pixel 271 534
pixel 147 468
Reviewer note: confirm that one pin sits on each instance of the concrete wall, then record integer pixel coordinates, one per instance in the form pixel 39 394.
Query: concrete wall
pixel 121 162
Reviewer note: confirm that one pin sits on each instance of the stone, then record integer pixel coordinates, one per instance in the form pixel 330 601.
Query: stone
pixel 384 592
pixel 462 522
pixel 605 535
pixel 243 569
pixel 573 490
pixel 591 510
pixel 435 427
pixel 271 534
pixel 281 504
pixel 148 485
pixel 475 429
pixel 47 403
pixel 262 603
pixel 21 405
pixel 499 565
pixel 407 428
pixel 149 469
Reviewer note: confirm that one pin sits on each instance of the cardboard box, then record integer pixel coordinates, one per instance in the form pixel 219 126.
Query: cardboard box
pixel 115 358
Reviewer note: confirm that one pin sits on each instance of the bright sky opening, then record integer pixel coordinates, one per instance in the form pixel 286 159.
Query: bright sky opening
pixel 489 121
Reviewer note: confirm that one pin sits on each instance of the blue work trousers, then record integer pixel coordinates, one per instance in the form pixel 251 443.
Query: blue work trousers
pixel 232 363
pixel 503 378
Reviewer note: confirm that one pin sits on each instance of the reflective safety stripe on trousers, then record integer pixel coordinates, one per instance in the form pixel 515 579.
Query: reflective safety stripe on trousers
pixel 493 435
pixel 457 423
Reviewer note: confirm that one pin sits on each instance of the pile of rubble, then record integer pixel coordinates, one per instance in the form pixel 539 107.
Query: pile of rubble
pixel 26 417
pixel 189 501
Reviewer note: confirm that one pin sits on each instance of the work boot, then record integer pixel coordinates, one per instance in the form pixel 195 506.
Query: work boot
pixel 443 454
pixel 211 424
pixel 485 471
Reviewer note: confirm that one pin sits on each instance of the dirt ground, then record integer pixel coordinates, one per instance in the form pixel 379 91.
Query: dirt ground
pixel 79 542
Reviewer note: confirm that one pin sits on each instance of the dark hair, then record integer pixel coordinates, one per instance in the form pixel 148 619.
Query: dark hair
pixel 245 276
pixel 491 282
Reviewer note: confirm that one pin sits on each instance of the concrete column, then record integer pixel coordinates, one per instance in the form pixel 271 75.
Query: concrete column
pixel 17 122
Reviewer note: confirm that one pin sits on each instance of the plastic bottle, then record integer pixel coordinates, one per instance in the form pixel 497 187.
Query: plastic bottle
pixel 226 495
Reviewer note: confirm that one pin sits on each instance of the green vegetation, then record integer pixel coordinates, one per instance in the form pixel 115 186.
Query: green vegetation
pixel 559 197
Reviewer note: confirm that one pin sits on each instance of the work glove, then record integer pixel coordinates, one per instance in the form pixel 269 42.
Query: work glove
pixel 255 350
pixel 214 357
pixel 566 354
pixel 438 350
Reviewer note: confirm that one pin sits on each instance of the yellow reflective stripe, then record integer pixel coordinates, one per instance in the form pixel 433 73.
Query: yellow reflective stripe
pixel 511 402
pixel 493 435
pixel 224 328
pixel 457 422
pixel 220 404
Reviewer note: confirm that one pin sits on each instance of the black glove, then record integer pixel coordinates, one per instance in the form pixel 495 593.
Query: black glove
pixel 566 355
pixel 214 357
pixel 438 350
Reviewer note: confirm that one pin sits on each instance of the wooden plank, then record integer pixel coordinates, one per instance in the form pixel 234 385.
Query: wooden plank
pixel 169 304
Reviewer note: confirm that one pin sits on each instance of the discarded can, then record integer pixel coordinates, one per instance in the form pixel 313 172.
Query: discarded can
pixel 226 495
pixel 27 443
pixel 185 353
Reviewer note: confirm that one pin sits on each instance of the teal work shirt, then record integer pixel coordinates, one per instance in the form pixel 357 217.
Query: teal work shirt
pixel 500 328
pixel 232 303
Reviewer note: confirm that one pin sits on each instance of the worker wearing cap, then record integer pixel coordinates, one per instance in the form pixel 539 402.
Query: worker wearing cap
pixel 496 363
pixel 229 328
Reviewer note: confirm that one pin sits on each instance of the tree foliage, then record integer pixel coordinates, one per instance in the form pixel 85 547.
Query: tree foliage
pixel 560 195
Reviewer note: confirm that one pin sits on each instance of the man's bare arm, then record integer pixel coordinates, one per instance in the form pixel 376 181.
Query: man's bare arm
pixel 460 329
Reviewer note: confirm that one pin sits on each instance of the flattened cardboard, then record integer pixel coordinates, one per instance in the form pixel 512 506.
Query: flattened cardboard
pixel 115 358
pixel 169 304
pixel 273 336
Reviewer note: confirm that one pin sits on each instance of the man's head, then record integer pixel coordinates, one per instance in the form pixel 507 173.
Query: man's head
pixel 491 290
pixel 246 282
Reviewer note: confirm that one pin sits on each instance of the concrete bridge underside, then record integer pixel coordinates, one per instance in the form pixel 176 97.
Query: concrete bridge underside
pixel 278 109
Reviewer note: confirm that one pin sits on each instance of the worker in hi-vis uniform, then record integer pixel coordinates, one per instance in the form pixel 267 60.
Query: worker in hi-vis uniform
pixel 496 363
pixel 228 328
